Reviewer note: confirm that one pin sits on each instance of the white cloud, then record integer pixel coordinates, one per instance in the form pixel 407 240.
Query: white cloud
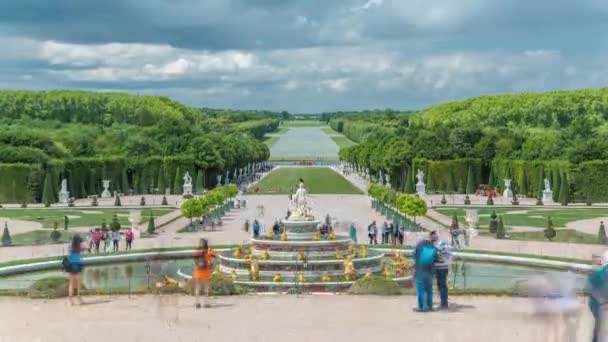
pixel 339 85
pixel 367 5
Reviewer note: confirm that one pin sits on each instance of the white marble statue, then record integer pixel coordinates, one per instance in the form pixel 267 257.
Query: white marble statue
pixel 106 186
pixel 187 187
pixel 507 194
pixel 299 205
pixel 420 176
pixel 64 194
pixel 547 185
pixel 547 193
pixel 420 186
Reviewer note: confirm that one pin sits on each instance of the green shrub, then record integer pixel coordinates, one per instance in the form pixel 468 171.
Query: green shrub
pixel 66 222
pixel 115 224
pixel 563 190
pixel 500 230
pixel 117 201
pixel 374 285
pixel 443 200
pixel 164 202
pixel 601 238
pixel 142 201
pixel 51 287
pixel 151 226
pixel 493 223
pixel 6 236
pixel 490 200
pixel 94 202
pixel 55 234
pixel 550 232
pixel 467 200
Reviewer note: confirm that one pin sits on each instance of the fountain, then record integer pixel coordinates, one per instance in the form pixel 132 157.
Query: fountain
pixel 302 257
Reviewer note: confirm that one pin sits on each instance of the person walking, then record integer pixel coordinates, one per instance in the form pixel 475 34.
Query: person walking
pixel 115 240
pixel 73 266
pixel 372 232
pixel 391 234
pixel 384 233
pixel 129 239
pixel 425 256
pixel 597 289
pixel 276 230
pixel 444 259
pixel 97 239
pixel 256 229
pixel 352 233
pixel 201 271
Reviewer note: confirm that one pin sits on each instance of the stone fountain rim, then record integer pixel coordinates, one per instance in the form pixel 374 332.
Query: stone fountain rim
pixel 291 262
pixel 288 222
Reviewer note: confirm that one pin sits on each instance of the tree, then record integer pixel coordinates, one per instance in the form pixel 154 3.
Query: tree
pixel 66 222
pixel 500 230
pixel 541 185
pixel 191 208
pixel 470 182
pixel 48 196
pixel 409 182
pixel 412 206
pixel 177 187
pixel 491 179
pixel 430 184
pixel 124 181
pixel 162 182
pixel 151 226
pixel 550 232
pixel 115 224
pixel 601 236
pixel 563 190
pixel 556 186
pixel 493 223
pixel 117 201
pixel 6 236
pixel 199 184
pixel 523 188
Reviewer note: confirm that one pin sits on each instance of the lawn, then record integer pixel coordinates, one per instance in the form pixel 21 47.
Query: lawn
pixel 281 130
pixel 269 141
pixel 330 131
pixel 77 217
pixel 40 237
pixel 303 123
pixel 318 180
pixel 529 217
pixel 563 235
pixel 343 142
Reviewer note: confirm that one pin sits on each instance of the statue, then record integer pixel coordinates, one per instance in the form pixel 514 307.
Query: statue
pixel 547 193
pixel 507 194
pixel 349 269
pixel 299 204
pixel 64 195
pixel 106 185
pixel 420 186
pixel 187 184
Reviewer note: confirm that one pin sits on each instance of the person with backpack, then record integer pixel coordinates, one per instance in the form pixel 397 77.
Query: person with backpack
pixel 597 289
pixel 129 239
pixel 256 229
pixel 425 256
pixel 72 264
pixel 372 233
pixel 201 271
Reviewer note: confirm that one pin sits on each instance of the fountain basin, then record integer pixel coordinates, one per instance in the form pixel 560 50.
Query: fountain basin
pixel 292 248
pixel 300 230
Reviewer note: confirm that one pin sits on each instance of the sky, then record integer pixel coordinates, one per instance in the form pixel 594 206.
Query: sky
pixel 305 56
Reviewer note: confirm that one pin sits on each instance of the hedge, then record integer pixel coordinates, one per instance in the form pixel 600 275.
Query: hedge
pixel 439 171
pixel 514 169
pixel 20 183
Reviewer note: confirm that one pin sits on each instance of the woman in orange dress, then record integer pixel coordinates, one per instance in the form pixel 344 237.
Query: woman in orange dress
pixel 201 271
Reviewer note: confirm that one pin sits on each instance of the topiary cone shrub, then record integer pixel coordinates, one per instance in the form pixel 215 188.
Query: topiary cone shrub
pixel 490 200
pixel 550 232
pixel 55 234
pixel 601 235
pixel 493 223
pixel 515 201
pixel 117 201
pixel 151 225
pixel 23 205
pixel 467 200
pixel 142 202
pixel 500 230
pixel 94 202
pixel 539 201
pixel 164 202
pixel 71 202
pixel 443 200
pixel 6 236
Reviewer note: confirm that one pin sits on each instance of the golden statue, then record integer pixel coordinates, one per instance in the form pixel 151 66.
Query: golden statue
pixel 265 255
pixel 277 278
pixel 233 275
pixel 325 277
pixel 301 278
pixel 238 252
pixel 400 264
pixel 351 249
pixel 254 270
pixel 301 257
pixel 331 236
pixel 362 251
pixel 284 235
pixel 387 272
pixel 349 268
pixel 316 236
pixel 339 254
pixel 270 234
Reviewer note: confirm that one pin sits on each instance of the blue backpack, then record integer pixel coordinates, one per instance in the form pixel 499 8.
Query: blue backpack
pixel 427 256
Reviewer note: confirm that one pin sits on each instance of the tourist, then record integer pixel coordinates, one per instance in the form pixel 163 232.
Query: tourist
pixel 246 227
pixel 455 232
pixel 256 229
pixel 444 258
pixel 425 256
pixel 372 233
pixel 106 241
pixel 90 240
pixel 73 265
pixel 201 271
pixel 597 288
pixel 385 233
pixel 276 230
pixel 391 233
pixel 352 233
pixel 115 240
pixel 97 236
pixel 129 239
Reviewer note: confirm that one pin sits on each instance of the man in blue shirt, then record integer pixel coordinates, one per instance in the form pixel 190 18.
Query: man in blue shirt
pixel 425 256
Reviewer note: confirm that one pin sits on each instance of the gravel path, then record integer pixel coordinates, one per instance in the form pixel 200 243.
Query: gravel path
pixel 272 318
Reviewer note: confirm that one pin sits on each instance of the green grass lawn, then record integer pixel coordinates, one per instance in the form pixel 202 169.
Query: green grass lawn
pixel 281 130
pixel 563 235
pixel 40 237
pixel 343 142
pixel 269 141
pixel 303 123
pixel 318 180
pixel 330 131
pixel 77 217
pixel 532 218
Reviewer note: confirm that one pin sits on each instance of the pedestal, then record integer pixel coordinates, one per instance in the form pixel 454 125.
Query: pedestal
pixel 187 190
pixel 421 189
pixel 547 196
pixel 64 197
pixel 507 194
pixel 106 194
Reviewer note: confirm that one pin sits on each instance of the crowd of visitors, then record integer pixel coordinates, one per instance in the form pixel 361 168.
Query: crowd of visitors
pixel 431 260
pixel 390 233
pixel 111 240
